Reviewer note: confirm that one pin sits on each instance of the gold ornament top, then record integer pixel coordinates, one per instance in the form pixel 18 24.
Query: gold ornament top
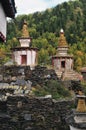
pixel 25 32
pixel 81 107
pixel 62 40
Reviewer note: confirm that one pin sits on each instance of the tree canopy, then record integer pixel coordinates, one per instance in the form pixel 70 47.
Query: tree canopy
pixel 44 28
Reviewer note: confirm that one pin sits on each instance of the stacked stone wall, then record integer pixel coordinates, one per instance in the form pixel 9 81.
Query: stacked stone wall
pixel 39 75
pixel 20 112
pixel 27 113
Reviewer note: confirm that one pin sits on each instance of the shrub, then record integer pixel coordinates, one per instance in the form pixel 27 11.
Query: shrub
pixel 54 88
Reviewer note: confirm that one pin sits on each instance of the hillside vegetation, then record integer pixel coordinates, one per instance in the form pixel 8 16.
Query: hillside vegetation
pixel 44 28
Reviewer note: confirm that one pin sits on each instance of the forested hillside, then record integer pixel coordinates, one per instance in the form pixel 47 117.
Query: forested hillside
pixel 44 28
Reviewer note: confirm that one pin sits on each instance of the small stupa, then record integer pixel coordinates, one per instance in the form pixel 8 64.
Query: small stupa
pixel 25 54
pixel 62 62
pixel 77 121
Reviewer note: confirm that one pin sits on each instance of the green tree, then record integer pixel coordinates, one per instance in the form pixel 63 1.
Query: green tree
pixel 43 57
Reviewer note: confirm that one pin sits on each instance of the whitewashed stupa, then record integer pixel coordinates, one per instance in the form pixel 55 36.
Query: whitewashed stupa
pixel 25 54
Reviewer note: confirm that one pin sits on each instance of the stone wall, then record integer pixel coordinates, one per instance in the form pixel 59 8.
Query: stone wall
pixel 28 113
pixel 20 112
pixel 21 79
pixel 39 75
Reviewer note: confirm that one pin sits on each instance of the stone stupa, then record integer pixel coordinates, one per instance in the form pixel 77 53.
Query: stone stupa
pixel 77 120
pixel 62 62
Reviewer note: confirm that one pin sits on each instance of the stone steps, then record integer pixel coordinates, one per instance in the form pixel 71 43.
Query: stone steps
pixel 59 73
pixel 68 75
pixel 72 75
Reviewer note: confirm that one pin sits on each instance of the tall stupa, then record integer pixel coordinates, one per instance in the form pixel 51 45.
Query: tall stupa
pixel 62 62
pixel 25 55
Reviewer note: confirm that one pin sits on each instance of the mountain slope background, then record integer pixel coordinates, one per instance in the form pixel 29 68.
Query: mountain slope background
pixel 44 27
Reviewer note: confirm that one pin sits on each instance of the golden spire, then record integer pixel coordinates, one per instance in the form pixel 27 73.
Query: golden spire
pixel 81 107
pixel 62 40
pixel 25 32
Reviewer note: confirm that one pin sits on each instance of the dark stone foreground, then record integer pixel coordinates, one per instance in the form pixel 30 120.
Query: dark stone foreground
pixel 28 113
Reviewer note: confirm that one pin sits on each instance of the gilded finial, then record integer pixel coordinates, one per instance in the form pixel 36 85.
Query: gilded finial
pixel 81 107
pixel 25 32
pixel 62 40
